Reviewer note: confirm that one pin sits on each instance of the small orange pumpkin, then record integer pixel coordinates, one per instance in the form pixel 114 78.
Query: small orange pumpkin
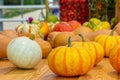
pixel 96 49
pixel 108 42
pixel 70 61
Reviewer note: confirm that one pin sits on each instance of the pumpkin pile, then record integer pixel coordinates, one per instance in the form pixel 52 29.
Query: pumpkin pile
pixel 62 44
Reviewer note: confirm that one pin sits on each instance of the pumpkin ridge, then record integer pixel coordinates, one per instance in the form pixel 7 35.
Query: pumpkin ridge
pixel 53 59
pixel 116 38
pixel 118 54
pixel 64 59
pixel 81 60
pixel 95 52
pixel 112 39
pixel 91 64
pixel 104 45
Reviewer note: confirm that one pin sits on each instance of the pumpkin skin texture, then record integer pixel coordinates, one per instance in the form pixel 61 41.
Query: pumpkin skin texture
pixel 93 35
pixel 75 24
pixel 5 37
pixel 115 58
pixel 27 28
pixel 96 49
pixel 70 61
pixel 45 46
pixel 24 52
pixel 108 42
pixel 10 33
pixel 82 30
pixel 4 41
pixel 62 38
pixel 63 27
pixel 51 37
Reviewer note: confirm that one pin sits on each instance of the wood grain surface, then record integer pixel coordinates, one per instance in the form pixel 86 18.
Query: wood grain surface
pixel 102 71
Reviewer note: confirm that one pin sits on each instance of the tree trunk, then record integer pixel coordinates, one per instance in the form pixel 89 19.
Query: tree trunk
pixel 117 11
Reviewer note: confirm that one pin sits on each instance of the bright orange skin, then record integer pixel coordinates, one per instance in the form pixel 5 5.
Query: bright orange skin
pixel 108 42
pixel 115 58
pixel 70 61
pixel 75 24
pixel 96 50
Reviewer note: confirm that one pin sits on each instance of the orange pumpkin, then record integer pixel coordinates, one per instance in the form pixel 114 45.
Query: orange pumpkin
pixel 95 48
pixel 70 61
pixel 45 46
pixel 108 42
pixel 5 37
pixel 115 58
pixel 75 24
pixel 10 33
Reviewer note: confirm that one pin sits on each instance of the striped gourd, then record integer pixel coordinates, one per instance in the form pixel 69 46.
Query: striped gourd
pixel 70 61
pixel 108 42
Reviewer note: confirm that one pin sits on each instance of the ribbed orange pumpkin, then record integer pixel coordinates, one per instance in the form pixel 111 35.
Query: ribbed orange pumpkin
pixel 108 42
pixel 96 49
pixel 115 57
pixel 70 61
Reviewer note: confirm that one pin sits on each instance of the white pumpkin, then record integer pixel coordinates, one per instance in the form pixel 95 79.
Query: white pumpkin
pixel 28 28
pixel 24 52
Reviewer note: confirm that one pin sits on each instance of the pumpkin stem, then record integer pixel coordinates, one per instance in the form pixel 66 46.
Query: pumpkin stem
pixel 111 34
pixel 83 39
pixel 32 36
pixel 69 42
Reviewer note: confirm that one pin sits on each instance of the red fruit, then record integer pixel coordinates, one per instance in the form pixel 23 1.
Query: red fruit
pixel 63 27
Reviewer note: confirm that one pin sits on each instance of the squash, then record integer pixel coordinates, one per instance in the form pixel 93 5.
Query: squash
pixel 5 37
pixel 45 46
pixel 82 30
pixel 24 52
pixel 108 42
pixel 62 38
pixel 70 61
pixel 51 37
pixel 27 28
pixel 96 49
pixel 91 35
pixel 115 57
pixel 10 33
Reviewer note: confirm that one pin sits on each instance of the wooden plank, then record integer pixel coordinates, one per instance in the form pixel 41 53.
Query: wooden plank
pixel 20 74
pixel 103 71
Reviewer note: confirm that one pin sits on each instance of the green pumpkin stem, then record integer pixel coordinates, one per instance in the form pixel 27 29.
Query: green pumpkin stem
pixel 83 39
pixel 111 34
pixel 32 36
pixel 69 42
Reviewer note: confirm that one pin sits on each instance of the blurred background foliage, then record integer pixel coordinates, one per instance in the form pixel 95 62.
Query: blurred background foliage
pixel 26 2
pixel 15 12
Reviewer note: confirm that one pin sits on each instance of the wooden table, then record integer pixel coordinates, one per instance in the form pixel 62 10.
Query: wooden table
pixel 103 71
